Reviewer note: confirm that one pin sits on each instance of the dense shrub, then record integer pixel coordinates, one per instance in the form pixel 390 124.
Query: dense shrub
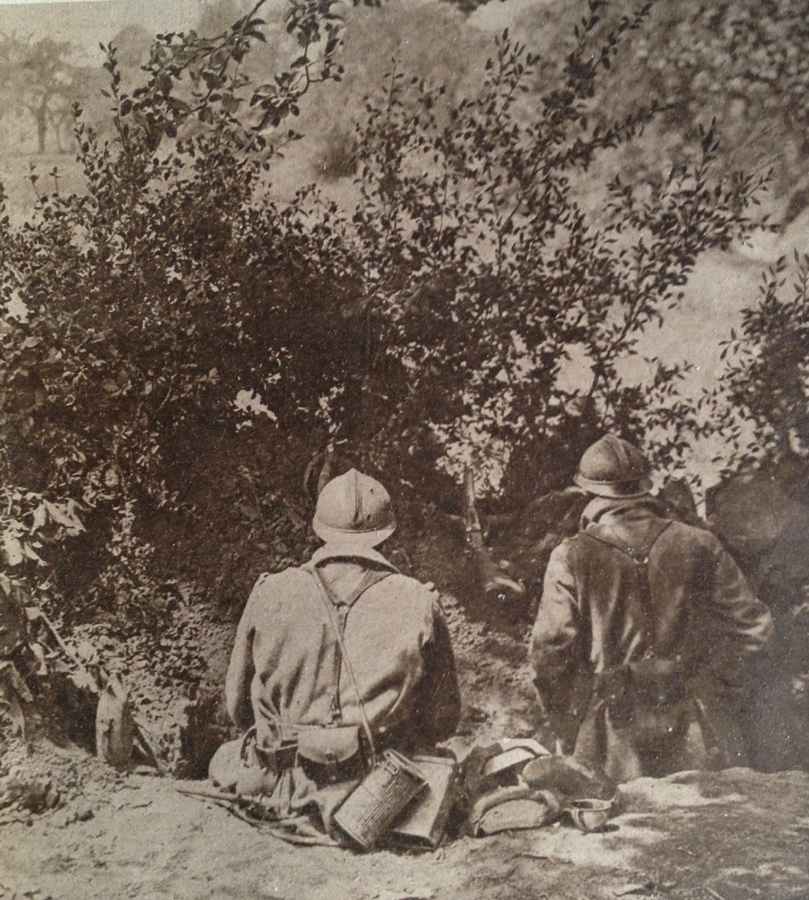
pixel 761 405
pixel 190 344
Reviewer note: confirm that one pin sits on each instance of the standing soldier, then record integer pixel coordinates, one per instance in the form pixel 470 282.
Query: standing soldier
pixel 644 631
pixel 334 661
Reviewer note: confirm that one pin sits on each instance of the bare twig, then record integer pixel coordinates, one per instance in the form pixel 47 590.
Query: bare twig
pixel 715 894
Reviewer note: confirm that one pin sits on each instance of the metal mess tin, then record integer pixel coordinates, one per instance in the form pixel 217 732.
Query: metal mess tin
pixel 367 813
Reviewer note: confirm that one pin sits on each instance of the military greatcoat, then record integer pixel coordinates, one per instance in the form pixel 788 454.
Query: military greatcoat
pixel 644 632
pixel 287 673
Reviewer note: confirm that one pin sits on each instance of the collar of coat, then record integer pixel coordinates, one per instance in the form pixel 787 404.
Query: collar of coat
pixel 621 512
pixel 350 551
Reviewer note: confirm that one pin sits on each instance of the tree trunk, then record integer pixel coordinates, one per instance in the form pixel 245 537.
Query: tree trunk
pixel 42 127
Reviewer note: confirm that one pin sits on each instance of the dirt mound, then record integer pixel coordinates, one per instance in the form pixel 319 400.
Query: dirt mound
pixel 38 778
pixel 173 673
pixel 737 834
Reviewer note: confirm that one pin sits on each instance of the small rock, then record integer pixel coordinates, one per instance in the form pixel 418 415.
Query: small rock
pixel 83 814
pixel 634 889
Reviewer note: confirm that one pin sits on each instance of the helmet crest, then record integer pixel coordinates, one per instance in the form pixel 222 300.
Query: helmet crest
pixel 612 467
pixel 354 509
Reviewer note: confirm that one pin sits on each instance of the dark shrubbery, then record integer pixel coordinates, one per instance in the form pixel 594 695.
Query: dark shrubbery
pixel 761 404
pixel 190 345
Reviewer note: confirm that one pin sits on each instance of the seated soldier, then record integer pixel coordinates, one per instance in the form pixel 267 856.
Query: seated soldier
pixel 644 631
pixel 333 660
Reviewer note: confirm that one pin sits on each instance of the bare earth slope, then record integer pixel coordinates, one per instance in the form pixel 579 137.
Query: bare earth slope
pixel 732 835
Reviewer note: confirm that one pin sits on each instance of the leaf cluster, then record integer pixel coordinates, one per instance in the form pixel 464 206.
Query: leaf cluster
pixel 189 342
pixel 761 405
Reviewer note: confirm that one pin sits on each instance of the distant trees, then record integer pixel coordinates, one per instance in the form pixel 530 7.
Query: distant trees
pixel 42 78
pixel 746 62
pixel 743 63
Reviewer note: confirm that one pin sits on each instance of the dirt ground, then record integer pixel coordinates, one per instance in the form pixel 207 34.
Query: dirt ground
pixel 81 830
pixel 735 835
pixel 72 828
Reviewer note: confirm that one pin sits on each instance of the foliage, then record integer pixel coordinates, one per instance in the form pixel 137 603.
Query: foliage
pixel 744 62
pixel 190 344
pixel 144 299
pixel 762 403
pixel 483 270
pixel 740 50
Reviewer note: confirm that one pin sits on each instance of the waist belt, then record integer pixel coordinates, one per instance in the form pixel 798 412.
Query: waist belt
pixel 651 680
pixel 325 745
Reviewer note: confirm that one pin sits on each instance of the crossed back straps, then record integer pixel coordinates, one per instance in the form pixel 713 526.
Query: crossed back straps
pixel 368 580
pixel 338 613
pixel 638 554
pixel 640 559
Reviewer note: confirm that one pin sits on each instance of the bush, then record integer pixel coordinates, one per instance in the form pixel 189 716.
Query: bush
pixel 190 344
pixel 762 402
pixel 485 271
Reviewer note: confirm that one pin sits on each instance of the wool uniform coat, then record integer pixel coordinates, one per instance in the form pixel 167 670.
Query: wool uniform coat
pixel 286 668
pixel 597 620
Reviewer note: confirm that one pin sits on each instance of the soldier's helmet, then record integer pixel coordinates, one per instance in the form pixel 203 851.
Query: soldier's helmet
pixel 612 467
pixel 354 509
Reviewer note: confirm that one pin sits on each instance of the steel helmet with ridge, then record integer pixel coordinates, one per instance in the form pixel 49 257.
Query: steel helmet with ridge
pixel 612 467
pixel 354 509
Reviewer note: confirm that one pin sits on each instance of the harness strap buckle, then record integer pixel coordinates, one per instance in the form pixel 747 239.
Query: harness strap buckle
pixel 280 757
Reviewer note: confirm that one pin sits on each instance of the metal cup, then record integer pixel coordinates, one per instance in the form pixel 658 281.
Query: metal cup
pixel 590 815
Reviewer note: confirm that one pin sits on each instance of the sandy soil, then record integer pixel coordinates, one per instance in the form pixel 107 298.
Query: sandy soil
pixel 733 835
pixel 81 829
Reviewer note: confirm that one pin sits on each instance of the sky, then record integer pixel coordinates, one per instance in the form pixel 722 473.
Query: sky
pixel 86 23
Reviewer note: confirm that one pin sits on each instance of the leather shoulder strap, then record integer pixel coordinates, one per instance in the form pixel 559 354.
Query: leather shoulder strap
pixel 638 554
pixel 368 580
pixel 640 559
pixel 330 603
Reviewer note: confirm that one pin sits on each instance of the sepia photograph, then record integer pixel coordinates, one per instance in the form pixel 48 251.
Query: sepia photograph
pixel 404 449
